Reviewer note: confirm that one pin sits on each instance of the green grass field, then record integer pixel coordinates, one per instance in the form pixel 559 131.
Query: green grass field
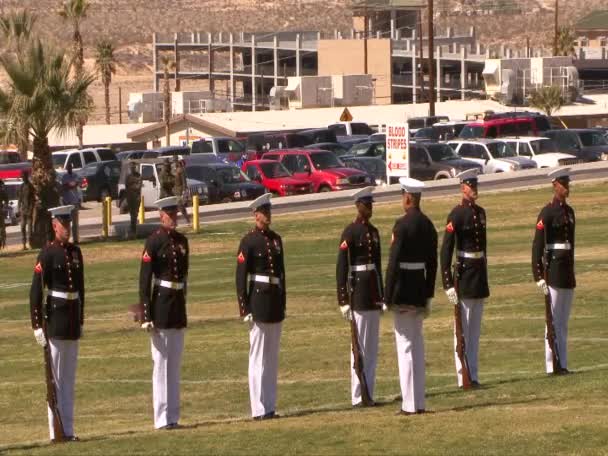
pixel 519 411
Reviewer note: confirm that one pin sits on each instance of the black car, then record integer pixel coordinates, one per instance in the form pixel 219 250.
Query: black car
pixel 99 179
pixel 373 166
pixel 171 151
pixel 369 149
pixel 587 144
pixel 132 154
pixel 336 148
pixel 439 132
pixel 226 182
pixel 431 161
pixel 319 135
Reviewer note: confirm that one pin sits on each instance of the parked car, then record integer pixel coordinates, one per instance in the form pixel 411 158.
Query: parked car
pixel 11 213
pixel 541 121
pixel 318 135
pixel 263 142
pixel 226 182
pixel 323 167
pixel 494 156
pixel 350 141
pixel 8 157
pixel 99 180
pixel 496 128
pixel 416 123
pixel 13 171
pixel 375 167
pixel 80 157
pixel 171 151
pixel 132 154
pixel 351 130
pixel 434 161
pixel 377 137
pixel 369 149
pixel 543 151
pixel 587 144
pixel 336 148
pixel 149 170
pixel 442 131
pixel 225 148
pixel 276 178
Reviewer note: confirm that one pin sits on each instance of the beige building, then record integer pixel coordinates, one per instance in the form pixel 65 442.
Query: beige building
pixel 592 30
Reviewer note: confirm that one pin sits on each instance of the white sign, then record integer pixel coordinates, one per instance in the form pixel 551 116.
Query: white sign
pixel 397 150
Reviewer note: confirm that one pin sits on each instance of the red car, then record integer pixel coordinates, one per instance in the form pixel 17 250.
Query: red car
pixel 322 167
pixel 276 178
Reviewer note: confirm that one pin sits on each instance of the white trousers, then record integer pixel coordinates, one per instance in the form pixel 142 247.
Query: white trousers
pixel 64 358
pixel 264 343
pixel 561 303
pixel 410 357
pixel 368 325
pixel 472 311
pixel 167 347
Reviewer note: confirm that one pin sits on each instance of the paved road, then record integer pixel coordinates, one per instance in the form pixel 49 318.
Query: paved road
pixel 90 225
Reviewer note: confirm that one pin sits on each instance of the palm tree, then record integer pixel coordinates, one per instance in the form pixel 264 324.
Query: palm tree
pixel 17 27
pixel 43 94
pixel 168 65
pixel 565 42
pixel 548 99
pixel 105 63
pixel 75 11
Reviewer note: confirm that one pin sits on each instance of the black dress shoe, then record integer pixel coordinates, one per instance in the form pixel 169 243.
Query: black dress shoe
pixel 171 426
pixel 362 405
pixel 67 438
pixel 404 413
pixel 475 384
pixel 267 416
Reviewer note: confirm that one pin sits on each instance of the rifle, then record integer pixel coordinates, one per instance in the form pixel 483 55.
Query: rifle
pixel 460 343
pixel 557 366
pixel 51 393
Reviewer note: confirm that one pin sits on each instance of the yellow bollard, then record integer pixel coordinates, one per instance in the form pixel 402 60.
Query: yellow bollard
pixel 109 204
pixel 141 218
pixel 104 218
pixel 195 220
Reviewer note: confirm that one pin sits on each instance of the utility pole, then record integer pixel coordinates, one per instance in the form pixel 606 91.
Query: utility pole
pixel 119 104
pixel 421 58
pixel 556 28
pixel 431 62
pixel 365 32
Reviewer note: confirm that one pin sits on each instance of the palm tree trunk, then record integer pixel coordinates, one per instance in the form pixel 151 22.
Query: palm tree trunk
pixel 106 94
pixel 45 191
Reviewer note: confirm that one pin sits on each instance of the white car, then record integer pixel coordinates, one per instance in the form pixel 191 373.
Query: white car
pixel 495 156
pixel 543 151
pixel 80 157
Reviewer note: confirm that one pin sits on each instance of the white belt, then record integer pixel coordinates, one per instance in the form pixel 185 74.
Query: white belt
pixel 168 284
pixel 564 246
pixel 264 279
pixel 362 267
pixel 472 255
pixel 412 266
pixel 68 296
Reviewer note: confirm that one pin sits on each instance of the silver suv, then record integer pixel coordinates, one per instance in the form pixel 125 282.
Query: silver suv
pixel 80 157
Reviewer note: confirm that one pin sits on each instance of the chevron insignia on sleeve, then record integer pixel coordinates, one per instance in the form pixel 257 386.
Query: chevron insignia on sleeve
pixel 145 257
pixel 38 268
pixel 344 245
pixel 241 258
pixel 449 228
pixel 540 225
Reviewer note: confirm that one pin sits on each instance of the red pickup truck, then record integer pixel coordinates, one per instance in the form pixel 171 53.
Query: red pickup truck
pixel 322 167
pixel 276 178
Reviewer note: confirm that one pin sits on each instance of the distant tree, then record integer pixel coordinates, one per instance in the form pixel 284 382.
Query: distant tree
pixel 548 99
pixel 168 65
pixel 565 42
pixel 105 64
pixel 75 11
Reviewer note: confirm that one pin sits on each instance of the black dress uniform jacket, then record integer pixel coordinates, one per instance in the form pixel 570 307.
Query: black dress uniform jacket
pixel 165 257
pixel 261 253
pixel 359 245
pixel 555 225
pixel 414 241
pixel 59 268
pixel 465 229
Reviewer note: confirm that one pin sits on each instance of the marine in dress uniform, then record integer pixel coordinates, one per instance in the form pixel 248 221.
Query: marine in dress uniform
pixel 58 319
pixel 553 263
pixel 260 289
pixel 467 286
pixel 133 185
pixel 410 284
pixel 360 287
pixel 162 289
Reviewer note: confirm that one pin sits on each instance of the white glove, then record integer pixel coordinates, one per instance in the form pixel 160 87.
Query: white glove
pixel 147 325
pixel 40 338
pixel 427 308
pixel 247 318
pixel 384 307
pixel 452 295
pixel 543 286
pixel 346 312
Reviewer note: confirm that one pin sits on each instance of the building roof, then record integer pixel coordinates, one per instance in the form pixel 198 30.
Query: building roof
pixel 158 128
pixel 388 4
pixel 596 20
pixel 95 134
